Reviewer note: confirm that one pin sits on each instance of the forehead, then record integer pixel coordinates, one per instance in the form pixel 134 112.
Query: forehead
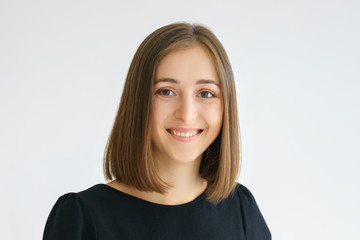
pixel 192 63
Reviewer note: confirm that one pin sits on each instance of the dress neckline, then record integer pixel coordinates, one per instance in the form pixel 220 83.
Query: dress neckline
pixel 146 202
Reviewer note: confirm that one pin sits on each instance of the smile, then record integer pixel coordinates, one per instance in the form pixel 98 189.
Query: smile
pixel 183 133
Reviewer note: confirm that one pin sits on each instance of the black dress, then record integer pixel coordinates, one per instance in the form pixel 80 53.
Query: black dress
pixel 104 213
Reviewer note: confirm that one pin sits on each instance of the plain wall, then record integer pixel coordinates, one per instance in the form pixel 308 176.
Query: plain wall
pixel 296 65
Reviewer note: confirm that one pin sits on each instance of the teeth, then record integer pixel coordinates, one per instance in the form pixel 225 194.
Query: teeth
pixel 183 134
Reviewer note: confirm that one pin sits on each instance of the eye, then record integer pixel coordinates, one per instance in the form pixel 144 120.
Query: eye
pixel 206 94
pixel 165 92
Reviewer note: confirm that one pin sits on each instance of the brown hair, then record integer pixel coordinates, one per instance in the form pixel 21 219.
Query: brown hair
pixel 128 155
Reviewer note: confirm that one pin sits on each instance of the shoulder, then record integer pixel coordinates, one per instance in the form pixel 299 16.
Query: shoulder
pixel 254 222
pixel 71 216
pixel 82 200
pixel 244 194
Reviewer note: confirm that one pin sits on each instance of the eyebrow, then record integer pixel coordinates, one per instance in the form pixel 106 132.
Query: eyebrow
pixel 201 81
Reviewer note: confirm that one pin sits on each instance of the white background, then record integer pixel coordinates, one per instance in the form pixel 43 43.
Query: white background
pixel 296 64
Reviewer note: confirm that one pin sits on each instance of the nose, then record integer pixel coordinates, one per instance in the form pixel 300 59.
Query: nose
pixel 186 110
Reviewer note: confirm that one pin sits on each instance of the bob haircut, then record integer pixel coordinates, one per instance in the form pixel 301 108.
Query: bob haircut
pixel 128 157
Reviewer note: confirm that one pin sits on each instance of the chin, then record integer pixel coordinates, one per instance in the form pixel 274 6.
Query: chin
pixel 186 159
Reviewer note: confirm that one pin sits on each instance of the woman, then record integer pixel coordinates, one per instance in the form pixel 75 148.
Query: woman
pixel 173 153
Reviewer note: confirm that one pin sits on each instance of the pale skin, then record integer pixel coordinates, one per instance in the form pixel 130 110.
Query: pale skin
pixel 187 117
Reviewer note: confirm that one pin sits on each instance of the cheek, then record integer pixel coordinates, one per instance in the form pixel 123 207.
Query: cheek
pixel 214 115
pixel 160 112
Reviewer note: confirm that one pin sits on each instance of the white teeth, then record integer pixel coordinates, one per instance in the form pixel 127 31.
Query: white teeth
pixel 184 134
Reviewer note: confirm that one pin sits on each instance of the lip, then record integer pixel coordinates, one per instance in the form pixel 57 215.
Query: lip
pixel 184 130
pixel 181 129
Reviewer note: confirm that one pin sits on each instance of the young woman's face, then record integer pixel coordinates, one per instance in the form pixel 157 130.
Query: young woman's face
pixel 187 106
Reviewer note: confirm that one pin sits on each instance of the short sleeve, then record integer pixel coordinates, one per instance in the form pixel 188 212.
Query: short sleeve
pixel 70 219
pixel 254 223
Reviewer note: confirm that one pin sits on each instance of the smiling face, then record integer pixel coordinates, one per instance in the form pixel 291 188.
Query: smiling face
pixel 187 106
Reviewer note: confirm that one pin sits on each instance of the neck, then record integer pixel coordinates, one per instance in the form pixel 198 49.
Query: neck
pixel 183 178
